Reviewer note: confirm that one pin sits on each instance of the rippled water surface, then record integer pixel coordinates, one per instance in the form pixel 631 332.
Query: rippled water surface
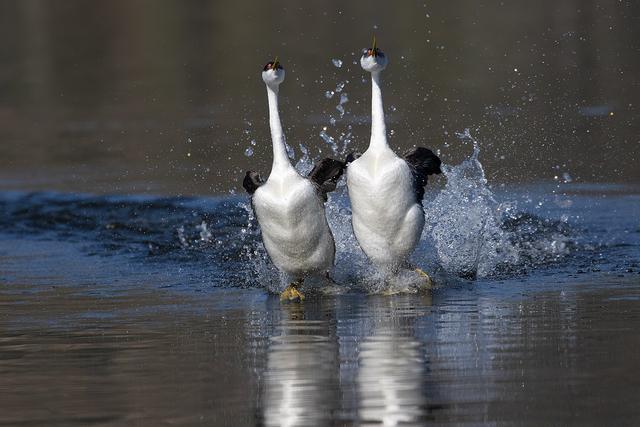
pixel 152 311
pixel 134 287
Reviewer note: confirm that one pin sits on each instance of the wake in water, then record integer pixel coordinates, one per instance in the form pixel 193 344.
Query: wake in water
pixel 468 234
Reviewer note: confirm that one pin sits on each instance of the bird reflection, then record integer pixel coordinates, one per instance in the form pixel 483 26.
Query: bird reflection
pixel 392 366
pixel 301 380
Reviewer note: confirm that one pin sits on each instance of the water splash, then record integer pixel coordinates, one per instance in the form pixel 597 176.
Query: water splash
pixel 343 100
pixel 306 162
pixel 205 233
pixel 181 237
pixel 468 233
pixel 290 152
pixel 463 221
pixel 475 235
pixel 328 138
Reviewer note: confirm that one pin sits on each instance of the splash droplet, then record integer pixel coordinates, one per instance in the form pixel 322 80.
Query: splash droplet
pixel 248 152
pixel 337 62
pixel 326 137
pixel 205 234
pixel 290 152
pixel 329 94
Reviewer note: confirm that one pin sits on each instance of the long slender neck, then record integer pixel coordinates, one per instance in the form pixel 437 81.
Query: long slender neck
pixel 378 127
pixel 280 158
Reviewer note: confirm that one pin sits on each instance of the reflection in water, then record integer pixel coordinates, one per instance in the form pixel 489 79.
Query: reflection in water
pixel 369 368
pixel 392 369
pixel 485 353
pixel 119 337
pixel 301 384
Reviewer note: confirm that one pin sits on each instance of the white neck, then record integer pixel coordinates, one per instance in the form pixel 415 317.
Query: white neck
pixel 280 158
pixel 378 127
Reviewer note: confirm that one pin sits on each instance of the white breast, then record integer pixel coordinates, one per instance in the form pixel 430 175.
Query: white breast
pixel 293 224
pixel 387 221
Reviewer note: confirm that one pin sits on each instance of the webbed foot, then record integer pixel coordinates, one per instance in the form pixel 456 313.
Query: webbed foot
pixel 291 293
pixel 428 281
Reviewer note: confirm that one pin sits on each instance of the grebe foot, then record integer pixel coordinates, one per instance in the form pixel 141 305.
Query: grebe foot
pixel 291 293
pixel 428 281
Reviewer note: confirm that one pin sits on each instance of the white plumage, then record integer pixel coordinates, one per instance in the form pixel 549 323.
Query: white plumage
pixel 385 189
pixel 290 207
pixel 294 227
pixel 387 221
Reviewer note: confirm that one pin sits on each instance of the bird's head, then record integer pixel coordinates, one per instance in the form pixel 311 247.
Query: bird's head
pixel 273 73
pixel 373 59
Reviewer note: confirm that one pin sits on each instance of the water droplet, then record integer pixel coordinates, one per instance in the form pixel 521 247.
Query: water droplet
pixel 326 137
pixel 566 177
pixel 329 94
pixel 248 152
pixel 253 142
pixel 393 108
pixel 181 237
pixel 332 120
pixel 290 152
pixel 339 87
pixel 205 234
pixel 337 62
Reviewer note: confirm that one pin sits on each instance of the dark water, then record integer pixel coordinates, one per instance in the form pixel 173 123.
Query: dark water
pixel 123 311
pixel 134 289
pixel 164 96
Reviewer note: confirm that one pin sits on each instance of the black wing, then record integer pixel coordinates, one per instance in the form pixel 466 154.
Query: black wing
pixel 351 157
pixel 252 181
pixel 325 174
pixel 423 163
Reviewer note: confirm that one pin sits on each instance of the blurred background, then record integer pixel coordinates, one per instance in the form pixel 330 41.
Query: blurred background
pixel 165 97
